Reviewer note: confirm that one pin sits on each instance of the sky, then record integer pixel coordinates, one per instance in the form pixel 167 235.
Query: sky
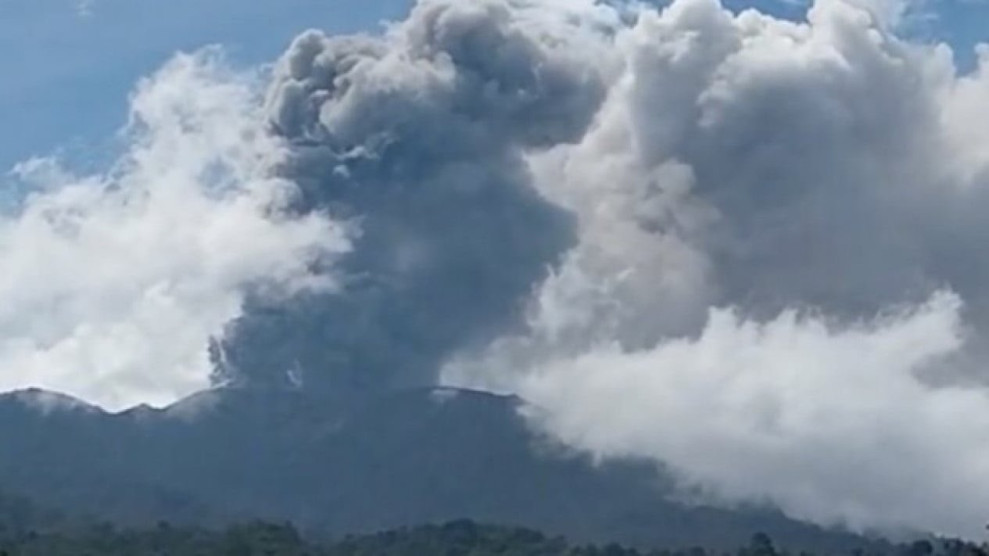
pixel 746 247
pixel 76 61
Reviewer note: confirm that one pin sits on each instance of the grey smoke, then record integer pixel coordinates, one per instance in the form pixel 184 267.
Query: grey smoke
pixel 748 249
pixel 419 137
pixel 778 289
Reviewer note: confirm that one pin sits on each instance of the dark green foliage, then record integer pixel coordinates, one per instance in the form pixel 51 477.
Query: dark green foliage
pixel 27 531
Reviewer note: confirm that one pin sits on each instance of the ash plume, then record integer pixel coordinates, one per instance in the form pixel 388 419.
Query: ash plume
pixel 748 249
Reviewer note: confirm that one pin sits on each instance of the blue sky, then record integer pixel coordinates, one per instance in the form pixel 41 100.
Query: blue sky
pixel 68 74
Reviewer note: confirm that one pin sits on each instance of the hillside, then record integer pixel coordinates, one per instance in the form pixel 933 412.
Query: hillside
pixel 394 460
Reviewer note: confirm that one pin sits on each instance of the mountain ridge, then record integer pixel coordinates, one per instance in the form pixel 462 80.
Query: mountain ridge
pixel 390 460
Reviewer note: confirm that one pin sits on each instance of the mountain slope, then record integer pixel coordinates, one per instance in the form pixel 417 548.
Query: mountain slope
pixel 398 459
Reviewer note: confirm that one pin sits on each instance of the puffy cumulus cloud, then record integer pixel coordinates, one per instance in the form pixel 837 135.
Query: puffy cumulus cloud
pixel 830 423
pixel 821 181
pixel 420 134
pixel 112 284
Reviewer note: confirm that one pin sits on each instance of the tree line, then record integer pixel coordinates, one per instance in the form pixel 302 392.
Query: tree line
pixel 458 538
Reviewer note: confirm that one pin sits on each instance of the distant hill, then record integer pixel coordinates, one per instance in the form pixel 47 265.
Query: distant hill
pixel 394 460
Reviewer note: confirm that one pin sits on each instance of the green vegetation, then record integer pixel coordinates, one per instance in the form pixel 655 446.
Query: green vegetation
pixel 26 530
pixel 459 538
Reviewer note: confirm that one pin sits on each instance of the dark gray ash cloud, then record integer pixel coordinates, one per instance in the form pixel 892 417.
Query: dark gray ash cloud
pixel 419 137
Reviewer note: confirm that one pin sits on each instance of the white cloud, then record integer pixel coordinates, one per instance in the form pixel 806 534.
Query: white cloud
pixel 829 422
pixel 767 212
pixel 85 7
pixel 111 284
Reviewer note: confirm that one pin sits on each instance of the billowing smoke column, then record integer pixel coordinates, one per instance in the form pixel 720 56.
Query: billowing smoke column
pixel 418 137
pixel 824 183
pixel 750 249
pixel 746 248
